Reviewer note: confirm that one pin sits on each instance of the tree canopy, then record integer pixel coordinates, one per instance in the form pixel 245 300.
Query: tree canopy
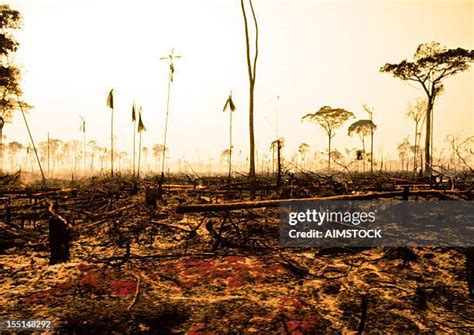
pixel 329 118
pixel 10 19
pixel 430 65
pixel 362 128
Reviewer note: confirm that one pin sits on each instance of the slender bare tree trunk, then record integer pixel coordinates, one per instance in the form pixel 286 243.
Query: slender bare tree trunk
pixel 139 153
pixel 416 148
pixel 112 143
pixel 85 153
pixel 329 153
pixel 429 134
pixel 252 76
pixel 252 146
pixel 166 128
pixel 230 146
pixel 279 163
pixel 49 171
pixel 133 164
pixel 371 145
pixel 363 155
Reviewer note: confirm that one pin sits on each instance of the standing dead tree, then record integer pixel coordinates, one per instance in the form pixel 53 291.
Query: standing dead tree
pixel 404 149
pixel 432 63
pixel 110 104
pixel 329 119
pixel 252 73
pixel 277 146
pixel 170 58
pixel 417 112
pixel 370 111
pixel 141 128
pixel 84 143
pixel 134 121
pixel 229 105
pixel 462 149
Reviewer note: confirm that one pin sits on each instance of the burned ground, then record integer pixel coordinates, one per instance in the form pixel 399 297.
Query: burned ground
pixel 138 269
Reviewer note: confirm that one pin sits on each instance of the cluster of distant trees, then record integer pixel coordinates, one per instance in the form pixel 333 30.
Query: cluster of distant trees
pixel 68 156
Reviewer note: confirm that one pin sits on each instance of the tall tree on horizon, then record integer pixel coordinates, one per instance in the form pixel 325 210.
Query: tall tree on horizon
pixel 134 121
pixel 252 74
pixel 170 58
pixel 229 105
pixel 431 64
pixel 83 130
pixel 141 128
pixel 110 104
pixel 362 128
pixel 329 119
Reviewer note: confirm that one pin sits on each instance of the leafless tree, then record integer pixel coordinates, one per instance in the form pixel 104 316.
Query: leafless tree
pixel 252 74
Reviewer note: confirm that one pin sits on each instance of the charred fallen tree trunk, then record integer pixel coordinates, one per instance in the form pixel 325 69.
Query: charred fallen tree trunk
pixel 197 208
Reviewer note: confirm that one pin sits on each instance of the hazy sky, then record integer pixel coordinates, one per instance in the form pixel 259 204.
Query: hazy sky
pixel 312 53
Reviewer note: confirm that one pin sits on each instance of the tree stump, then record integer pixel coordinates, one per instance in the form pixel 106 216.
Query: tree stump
pixel 58 241
pixel 406 193
pixel 150 197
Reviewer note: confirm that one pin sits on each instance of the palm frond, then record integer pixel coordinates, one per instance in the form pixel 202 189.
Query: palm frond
pixel 134 117
pixel 110 99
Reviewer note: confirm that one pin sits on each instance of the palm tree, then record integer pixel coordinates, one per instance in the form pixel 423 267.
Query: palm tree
pixel 110 104
pixel 170 58
pixel 83 130
pixel 134 120
pixel 141 128
pixel 229 104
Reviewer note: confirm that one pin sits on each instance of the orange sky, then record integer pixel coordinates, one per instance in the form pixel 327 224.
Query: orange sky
pixel 313 53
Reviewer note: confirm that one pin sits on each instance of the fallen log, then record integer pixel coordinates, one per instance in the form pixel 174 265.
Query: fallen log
pixel 197 208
